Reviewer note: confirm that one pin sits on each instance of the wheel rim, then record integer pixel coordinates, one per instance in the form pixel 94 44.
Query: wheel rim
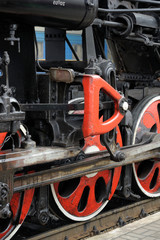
pixel 147 173
pixel 19 206
pixel 82 198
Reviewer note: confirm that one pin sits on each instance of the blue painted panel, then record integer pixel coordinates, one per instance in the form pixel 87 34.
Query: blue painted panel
pixel 41 38
pixel 105 48
pixel 74 39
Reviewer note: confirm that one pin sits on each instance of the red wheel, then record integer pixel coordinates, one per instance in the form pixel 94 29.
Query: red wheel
pixel 19 204
pixel 82 198
pixel 146 119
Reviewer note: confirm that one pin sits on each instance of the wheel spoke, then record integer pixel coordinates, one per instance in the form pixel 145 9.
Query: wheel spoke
pixel 7 225
pixel 146 180
pixel 147 173
pixel 19 213
pixel 90 194
pixel 92 204
pixel 19 206
pixel 156 177
pixel 74 198
pixel 153 117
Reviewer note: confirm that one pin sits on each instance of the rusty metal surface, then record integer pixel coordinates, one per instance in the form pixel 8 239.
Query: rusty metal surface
pixel 92 164
pixel 40 155
pixel 102 222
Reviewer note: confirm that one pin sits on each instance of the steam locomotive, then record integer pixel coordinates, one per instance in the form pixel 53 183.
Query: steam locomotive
pixel 74 132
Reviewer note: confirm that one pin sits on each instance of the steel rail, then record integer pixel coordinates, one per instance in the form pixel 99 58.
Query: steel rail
pixel 104 221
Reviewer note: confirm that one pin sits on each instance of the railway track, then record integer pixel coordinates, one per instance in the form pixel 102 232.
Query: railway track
pixel 108 220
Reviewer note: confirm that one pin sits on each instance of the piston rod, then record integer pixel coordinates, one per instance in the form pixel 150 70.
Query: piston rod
pixel 108 23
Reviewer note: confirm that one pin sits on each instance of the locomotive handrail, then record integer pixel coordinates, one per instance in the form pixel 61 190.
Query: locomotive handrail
pixel 103 10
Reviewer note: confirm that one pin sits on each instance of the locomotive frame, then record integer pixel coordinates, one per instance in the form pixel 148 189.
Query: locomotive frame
pixel 74 132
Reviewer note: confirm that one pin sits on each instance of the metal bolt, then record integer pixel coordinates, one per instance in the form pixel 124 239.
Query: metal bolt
pixel 119 156
pixel 42 204
pixel 125 106
pixel 142 213
pixel 4 194
pixel 95 231
pixel 5 212
pixel 120 222
pixel 43 217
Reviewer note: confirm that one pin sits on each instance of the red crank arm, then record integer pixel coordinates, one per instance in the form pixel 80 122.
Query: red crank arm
pixel 92 125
